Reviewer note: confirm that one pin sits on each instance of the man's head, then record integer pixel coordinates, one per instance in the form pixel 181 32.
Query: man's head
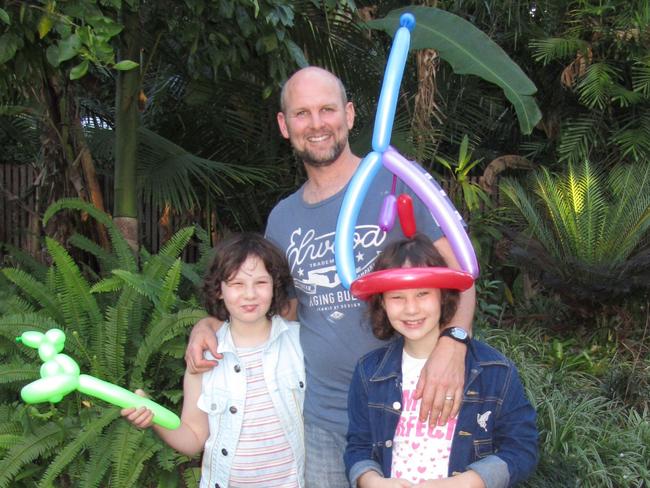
pixel 316 116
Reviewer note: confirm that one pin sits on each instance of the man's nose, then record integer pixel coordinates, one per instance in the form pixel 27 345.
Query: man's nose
pixel 315 120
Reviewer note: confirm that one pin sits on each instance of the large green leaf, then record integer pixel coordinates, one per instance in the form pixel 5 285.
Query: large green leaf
pixel 469 51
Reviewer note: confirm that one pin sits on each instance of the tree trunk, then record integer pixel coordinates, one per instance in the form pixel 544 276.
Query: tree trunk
pixel 125 209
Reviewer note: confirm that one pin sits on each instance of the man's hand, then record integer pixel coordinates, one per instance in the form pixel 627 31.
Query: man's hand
pixel 202 338
pixel 441 382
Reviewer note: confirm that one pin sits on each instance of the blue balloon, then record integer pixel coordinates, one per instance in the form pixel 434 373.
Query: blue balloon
pixel 390 88
pixel 354 197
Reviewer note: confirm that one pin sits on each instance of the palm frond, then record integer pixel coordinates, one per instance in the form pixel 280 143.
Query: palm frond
pixel 596 86
pixel 554 48
pixel 168 174
pixel 579 138
pixel 641 77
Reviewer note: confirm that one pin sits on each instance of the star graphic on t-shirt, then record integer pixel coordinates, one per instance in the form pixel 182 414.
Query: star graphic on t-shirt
pixel 359 256
pixel 300 272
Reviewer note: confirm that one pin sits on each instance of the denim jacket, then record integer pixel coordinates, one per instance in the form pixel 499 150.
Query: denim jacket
pixel 223 396
pixel 501 447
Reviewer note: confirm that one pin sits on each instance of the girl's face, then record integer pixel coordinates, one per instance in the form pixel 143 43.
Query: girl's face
pixel 247 294
pixel 414 313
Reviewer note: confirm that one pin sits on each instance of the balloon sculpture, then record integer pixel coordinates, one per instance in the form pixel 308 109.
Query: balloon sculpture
pixel 422 184
pixel 60 376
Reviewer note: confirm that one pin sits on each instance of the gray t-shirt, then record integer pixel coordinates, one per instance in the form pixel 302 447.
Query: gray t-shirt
pixel 334 331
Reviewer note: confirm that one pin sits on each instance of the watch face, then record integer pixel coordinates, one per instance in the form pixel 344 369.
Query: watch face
pixel 458 333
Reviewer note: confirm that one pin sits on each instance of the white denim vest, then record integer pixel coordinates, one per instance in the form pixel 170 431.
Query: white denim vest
pixel 224 387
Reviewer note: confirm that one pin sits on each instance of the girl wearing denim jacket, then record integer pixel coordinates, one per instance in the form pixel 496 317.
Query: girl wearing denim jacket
pixel 246 413
pixel 493 441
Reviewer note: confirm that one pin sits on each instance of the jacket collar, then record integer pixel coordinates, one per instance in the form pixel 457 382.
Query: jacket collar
pixel 227 344
pixel 391 363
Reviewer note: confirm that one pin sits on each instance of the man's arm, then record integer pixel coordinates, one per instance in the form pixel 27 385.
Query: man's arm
pixel 444 373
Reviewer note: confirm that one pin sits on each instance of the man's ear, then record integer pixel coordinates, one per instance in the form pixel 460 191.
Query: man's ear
pixel 349 115
pixel 282 124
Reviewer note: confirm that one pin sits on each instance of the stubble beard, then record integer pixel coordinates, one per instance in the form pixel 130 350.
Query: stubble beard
pixel 314 160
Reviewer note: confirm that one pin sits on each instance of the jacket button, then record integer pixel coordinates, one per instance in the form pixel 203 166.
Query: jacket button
pixel 396 405
pixel 216 485
pixel 301 384
pixel 224 451
pixel 237 368
pixel 233 409
pixel 213 406
pixel 389 443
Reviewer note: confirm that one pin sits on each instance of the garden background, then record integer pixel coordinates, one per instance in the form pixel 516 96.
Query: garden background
pixel 145 131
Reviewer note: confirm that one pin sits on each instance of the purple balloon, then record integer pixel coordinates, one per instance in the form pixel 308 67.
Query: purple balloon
pixel 387 213
pixel 435 199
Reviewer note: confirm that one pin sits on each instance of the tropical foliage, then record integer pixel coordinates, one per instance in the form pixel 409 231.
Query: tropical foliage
pixel 126 326
pixel 584 232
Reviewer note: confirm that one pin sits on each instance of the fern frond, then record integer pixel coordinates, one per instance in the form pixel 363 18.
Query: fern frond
pixel 36 290
pixel 167 328
pixel 76 299
pixel 147 449
pixel 46 438
pixel 18 371
pixel 107 261
pixel 176 243
pixel 97 465
pixel 125 257
pixel 16 304
pixel 547 50
pixel 7 441
pixel 113 339
pixel 27 261
pixel 192 476
pixel 124 445
pixel 11 326
pixel 167 297
pixel 107 285
pixel 88 434
pixel 596 86
pixel 140 283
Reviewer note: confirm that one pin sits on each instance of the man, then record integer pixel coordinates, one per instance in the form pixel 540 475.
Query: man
pixel 316 118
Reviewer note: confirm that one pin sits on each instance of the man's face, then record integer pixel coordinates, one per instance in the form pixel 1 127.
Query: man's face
pixel 315 119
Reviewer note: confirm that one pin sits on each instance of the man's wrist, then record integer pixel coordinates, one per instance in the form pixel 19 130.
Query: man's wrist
pixel 457 334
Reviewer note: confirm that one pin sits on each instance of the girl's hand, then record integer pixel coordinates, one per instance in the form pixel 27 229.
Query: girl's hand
pixel 141 418
pixel 372 479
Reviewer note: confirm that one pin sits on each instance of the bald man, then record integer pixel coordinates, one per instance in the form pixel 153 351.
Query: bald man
pixel 316 118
